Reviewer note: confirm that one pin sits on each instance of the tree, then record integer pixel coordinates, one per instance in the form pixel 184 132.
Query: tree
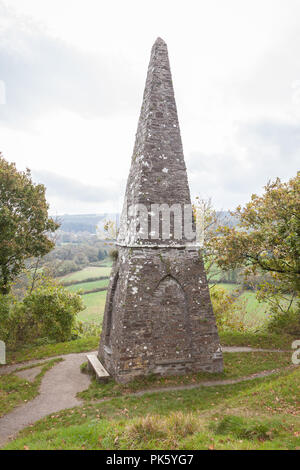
pixel 24 222
pixel 48 312
pixel 266 240
pixel 210 220
pixel 101 254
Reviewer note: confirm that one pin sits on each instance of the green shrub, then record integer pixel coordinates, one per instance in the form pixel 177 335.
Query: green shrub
pixel 15 328
pixel 46 315
pixel 245 428
pixel 53 309
pixel 6 309
pixel 65 267
pixel 113 254
pixel 86 329
pixel 285 321
pixel 230 311
pixel 147 427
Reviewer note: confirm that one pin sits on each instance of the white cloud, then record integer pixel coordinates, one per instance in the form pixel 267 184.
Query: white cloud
pixel 76 194
pixel 74 78
pixel 261 151
pixel 43 74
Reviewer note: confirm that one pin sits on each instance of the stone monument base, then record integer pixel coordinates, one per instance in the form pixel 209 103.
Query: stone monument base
pixel 158 317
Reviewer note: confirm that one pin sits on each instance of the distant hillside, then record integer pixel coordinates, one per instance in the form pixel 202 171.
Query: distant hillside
pixel 88 222
pixel 84 222
pixel 226 219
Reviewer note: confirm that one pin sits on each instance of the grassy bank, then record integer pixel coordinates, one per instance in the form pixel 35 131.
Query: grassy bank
pixel 221 417
pixel 15 391
pixel 88 272
pixel 235 365
pixel 31 352
pixel 255 340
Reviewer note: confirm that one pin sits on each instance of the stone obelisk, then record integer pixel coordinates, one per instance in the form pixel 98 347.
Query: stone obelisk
pixel 158 317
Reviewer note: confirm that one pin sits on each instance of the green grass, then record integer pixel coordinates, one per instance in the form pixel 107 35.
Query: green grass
pixel 86 273
pixel 49 350
pixel 107 262
pixel 15 390
pixel 222 417
pixel 257 312
pixel 85 286
pixel 245 429
pixel 94 303
pixel 235 365
pixel 228 287
pixel 281 395
pixel 160 433
pixel 256 340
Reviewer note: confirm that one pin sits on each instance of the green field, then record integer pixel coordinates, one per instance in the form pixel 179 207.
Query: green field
pixel 86 273
pixel 255 309
pixel 95 304
pixel 85 286
pixel 107 262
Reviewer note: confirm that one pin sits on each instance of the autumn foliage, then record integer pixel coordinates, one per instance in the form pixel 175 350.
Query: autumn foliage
pixel 24 222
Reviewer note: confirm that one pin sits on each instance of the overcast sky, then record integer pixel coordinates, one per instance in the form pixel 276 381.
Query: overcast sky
pixel 74 73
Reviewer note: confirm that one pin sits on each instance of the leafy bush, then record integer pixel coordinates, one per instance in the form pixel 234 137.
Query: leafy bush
pixel 47 314
pixel 53 309
pixel 285 321
pixel 229 309
pixel 6 310
pixel 114 254
pixel 65 267
pixel 86 329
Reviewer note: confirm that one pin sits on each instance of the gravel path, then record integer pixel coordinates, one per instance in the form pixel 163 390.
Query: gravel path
pixel 210 383
pixel 237 349
pixel 232 349
pixel 58 391
pixel 61 384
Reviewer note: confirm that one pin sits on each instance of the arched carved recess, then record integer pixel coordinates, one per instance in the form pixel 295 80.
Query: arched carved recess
pixel 170 322
pixel 111 306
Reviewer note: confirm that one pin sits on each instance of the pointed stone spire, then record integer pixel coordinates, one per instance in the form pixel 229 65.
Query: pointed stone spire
pixel 158 315
pixel 158 172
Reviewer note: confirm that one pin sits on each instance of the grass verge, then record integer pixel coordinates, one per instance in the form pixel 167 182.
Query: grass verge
pixel 15 390
pixel 224 417
pixel 235 365
pixel 49 350
pixel 256 340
